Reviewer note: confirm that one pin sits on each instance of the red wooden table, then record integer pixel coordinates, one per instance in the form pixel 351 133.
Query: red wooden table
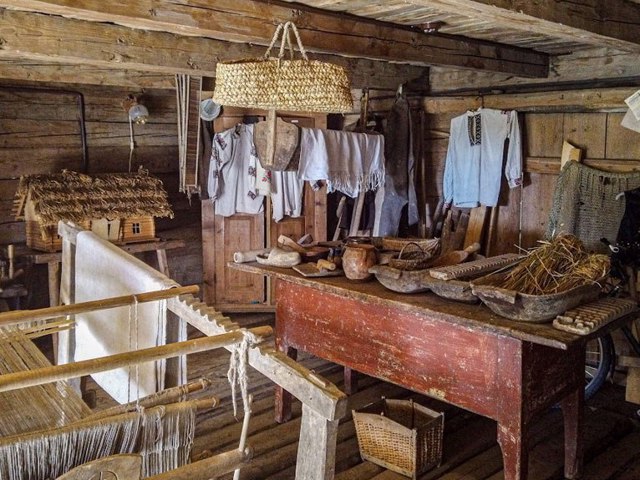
pixel 462 354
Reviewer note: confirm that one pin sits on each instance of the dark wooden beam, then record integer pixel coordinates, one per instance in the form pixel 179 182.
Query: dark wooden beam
pixel 611 23
pixel 253 22
pixel 39 39
pixel 67 73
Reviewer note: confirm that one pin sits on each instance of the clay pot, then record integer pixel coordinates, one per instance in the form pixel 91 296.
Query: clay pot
pixel 357 259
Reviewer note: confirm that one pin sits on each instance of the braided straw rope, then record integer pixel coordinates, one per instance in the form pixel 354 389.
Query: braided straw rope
pixel 281 84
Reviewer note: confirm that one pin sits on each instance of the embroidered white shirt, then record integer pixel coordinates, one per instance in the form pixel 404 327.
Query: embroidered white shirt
pixel 233 182
pixel 473 167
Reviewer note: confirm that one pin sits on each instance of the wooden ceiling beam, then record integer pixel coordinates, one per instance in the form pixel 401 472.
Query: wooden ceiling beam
pixel 35 41
pixel 610 23
pixel 250 21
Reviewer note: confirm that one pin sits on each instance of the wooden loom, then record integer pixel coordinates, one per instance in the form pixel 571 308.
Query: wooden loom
pixel 323 403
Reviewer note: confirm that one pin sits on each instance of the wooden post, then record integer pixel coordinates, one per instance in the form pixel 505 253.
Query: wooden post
pixel 317 447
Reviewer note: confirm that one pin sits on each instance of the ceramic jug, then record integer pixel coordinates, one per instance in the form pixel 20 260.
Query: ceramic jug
pixel 357 259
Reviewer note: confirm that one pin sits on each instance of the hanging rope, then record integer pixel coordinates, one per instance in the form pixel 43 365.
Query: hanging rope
pixel 237 373
pixel 133 345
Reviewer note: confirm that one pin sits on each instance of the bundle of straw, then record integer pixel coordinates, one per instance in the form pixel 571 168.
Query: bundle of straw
pixel 556 266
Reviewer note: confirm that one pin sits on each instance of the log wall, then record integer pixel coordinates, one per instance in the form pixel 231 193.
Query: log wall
pixel 40 133
pixel 589 119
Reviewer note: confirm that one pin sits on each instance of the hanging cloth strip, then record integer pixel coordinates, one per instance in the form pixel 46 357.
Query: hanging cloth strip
pixel 584 204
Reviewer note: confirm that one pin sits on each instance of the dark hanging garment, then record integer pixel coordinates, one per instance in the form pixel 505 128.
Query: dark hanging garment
pixel 628 238
pixel 398 189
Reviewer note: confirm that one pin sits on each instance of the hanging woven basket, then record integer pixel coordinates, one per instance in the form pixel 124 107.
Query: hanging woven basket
pixel 283 84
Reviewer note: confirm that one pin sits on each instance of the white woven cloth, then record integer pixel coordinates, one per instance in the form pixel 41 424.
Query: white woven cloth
pixel 350 162
pixel 104 270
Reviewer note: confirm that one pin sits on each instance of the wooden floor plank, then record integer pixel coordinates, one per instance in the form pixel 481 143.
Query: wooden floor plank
pixel 620 456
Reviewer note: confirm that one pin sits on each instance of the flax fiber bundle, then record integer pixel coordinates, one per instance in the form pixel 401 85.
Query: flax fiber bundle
pixel 556 266
pixel 275 83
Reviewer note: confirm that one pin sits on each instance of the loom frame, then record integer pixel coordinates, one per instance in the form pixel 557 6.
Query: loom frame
pixel 323 404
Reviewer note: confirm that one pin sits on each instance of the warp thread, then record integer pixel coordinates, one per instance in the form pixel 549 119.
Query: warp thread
pixel 162 435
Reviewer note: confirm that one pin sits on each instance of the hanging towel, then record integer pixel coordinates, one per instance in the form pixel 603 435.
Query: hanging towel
pixel 350 162
pixel 104 270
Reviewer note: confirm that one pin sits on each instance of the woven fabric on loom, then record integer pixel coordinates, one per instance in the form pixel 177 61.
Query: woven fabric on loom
pixel 104 270
pixel 584 204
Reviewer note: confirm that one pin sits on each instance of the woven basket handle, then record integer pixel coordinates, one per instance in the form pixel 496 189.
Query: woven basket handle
pixel 284 29
pixel 406 245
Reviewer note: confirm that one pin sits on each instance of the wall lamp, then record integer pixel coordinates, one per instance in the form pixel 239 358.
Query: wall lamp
pixel 138 113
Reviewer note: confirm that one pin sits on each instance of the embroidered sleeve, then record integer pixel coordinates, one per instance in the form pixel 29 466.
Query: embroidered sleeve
pixel 220 154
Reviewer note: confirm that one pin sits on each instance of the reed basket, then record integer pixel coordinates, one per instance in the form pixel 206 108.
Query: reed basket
pixel 278 83
pixel 400 435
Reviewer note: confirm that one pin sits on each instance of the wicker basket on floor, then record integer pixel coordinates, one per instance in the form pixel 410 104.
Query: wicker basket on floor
pixel 400 435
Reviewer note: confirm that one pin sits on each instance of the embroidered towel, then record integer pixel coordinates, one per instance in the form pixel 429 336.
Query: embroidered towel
pixel 104 270
pixel 350 162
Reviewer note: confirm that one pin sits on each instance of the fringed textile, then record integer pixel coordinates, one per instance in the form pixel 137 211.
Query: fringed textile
pixel 350 162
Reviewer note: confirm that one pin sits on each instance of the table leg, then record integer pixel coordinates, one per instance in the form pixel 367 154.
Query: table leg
pixel 573 412
pixel 512 437
pixel 350 381
pixel 283 398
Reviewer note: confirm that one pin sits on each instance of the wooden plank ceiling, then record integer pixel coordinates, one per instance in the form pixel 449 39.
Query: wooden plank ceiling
pixel 394 37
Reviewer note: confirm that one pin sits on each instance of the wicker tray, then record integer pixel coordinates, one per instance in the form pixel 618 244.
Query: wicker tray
pixel 400 435
pixel 531 308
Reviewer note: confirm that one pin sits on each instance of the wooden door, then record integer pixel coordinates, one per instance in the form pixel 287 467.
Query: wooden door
pixel 221 237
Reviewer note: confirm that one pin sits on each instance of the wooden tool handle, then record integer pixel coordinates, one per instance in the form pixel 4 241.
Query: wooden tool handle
pixel 323 264
pixel 474 247
pixel 287 242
